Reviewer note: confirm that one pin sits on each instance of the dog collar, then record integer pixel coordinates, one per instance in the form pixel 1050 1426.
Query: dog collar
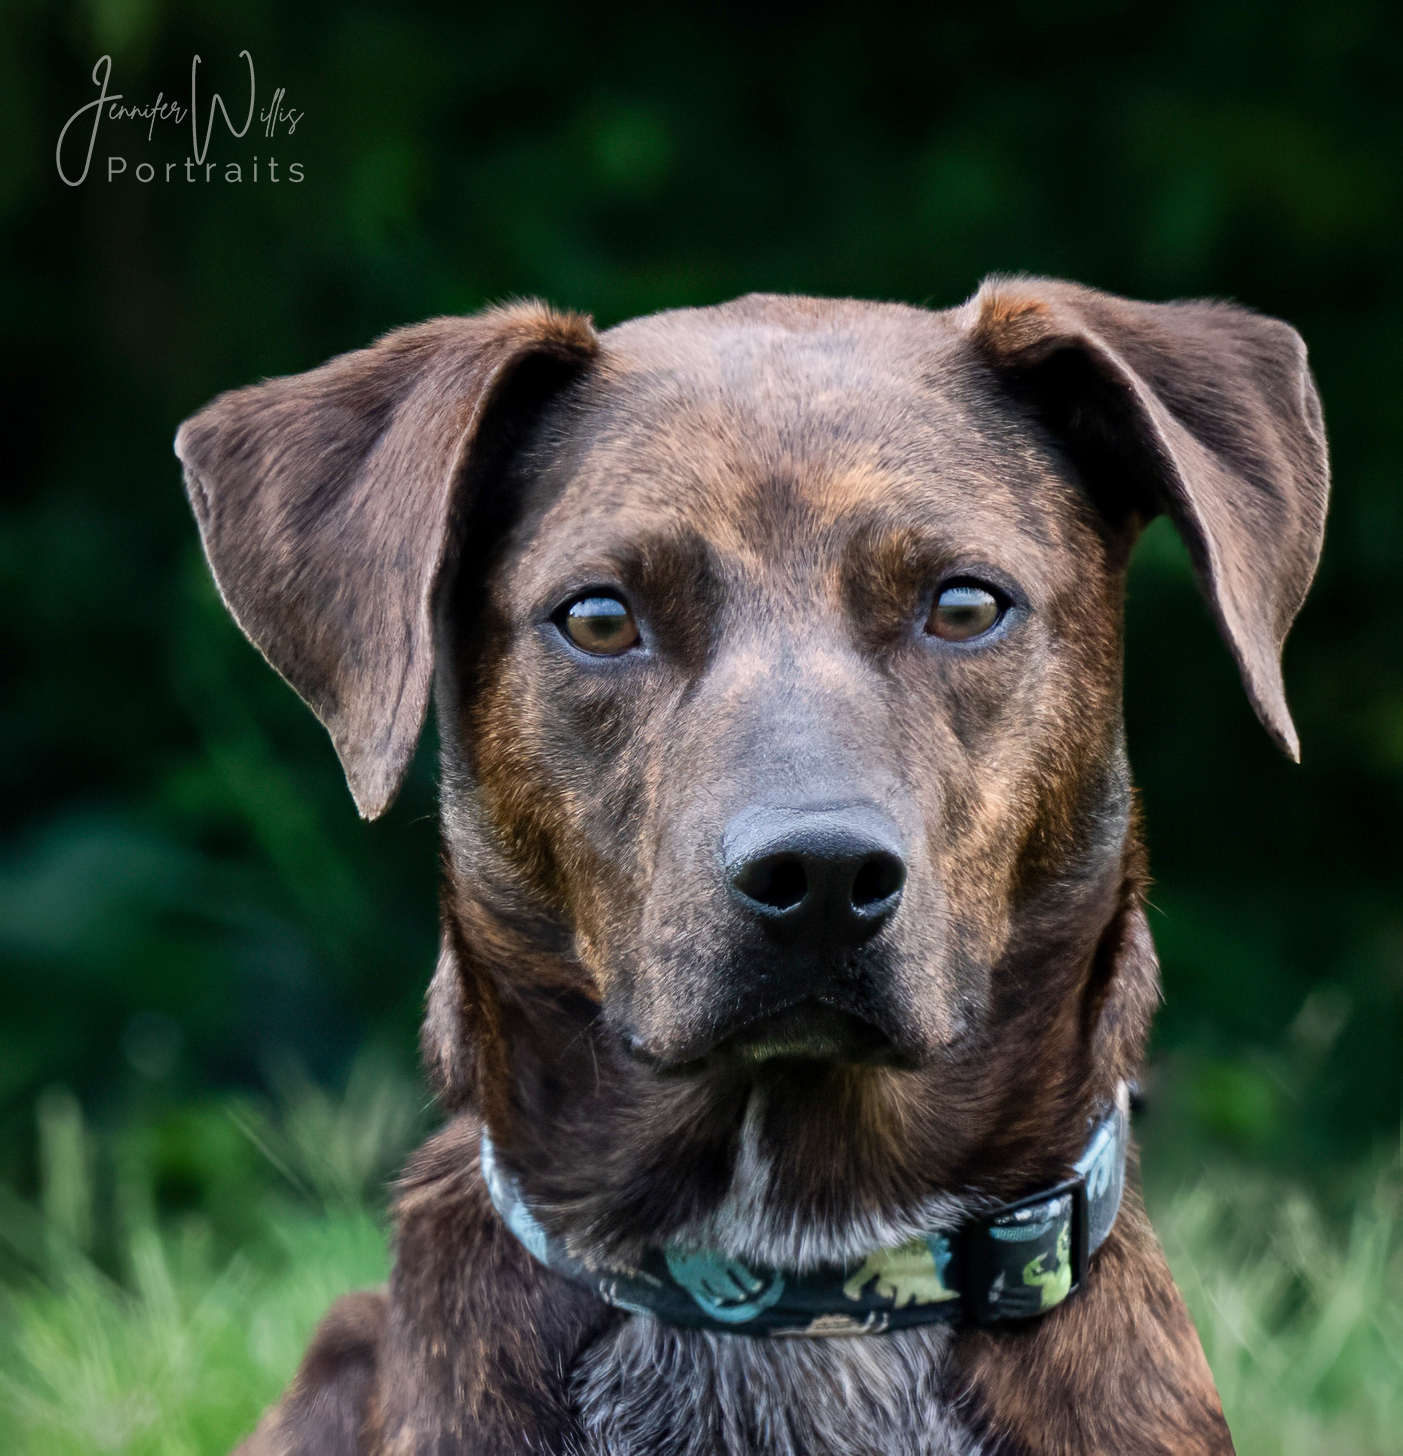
pixel 1014 1261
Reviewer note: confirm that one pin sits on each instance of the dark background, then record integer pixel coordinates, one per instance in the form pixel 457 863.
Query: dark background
pixel 187 898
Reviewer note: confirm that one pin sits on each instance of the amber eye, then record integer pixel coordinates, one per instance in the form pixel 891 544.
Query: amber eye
pixel 964 611
pixel 600 624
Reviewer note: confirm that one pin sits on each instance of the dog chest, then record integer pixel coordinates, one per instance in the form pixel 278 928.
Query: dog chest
pixel 651 1388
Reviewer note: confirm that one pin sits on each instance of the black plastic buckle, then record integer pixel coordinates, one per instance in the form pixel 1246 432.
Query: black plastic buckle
pixel 982 1262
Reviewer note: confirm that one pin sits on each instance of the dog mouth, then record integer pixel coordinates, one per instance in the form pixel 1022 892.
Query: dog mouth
pixel 811 1030
pixel 807 1030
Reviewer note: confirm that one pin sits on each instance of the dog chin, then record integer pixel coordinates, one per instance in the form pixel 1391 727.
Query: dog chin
pixel 749 1223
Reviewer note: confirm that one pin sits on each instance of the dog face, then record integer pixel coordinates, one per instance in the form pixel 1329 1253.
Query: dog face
pixel 795 686
pixel 777 654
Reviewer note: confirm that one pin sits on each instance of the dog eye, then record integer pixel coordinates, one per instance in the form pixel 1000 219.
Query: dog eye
pixel 602 625
pixel 963 611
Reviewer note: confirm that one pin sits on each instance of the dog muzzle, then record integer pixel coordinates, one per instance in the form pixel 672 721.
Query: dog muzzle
pixel 1012 1262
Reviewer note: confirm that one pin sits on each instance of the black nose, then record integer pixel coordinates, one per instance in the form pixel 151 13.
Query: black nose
pixel 822 876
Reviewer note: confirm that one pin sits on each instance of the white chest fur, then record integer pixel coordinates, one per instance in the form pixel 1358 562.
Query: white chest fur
pixel 653 1390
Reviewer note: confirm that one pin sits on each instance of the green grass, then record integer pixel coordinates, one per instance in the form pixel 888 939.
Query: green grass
pixel 122 1330
pixel 183 1356
pixel 170 1336
pixel 1302 1324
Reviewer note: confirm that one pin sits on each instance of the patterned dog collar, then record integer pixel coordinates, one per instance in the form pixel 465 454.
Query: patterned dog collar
pixel 1014 1261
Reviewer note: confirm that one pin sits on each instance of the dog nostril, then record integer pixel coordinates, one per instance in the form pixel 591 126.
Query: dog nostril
pixel 779 882
pixel 819 881
pixel 878 879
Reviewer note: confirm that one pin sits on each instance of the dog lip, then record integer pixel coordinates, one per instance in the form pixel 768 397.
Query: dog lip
pixel 808 1029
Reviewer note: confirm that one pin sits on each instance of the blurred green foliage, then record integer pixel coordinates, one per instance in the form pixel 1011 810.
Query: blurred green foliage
pixel 1303 1328
pixel 125 1331
pixel 186 894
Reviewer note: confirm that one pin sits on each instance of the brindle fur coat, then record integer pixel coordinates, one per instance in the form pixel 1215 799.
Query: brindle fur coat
pixel 777 492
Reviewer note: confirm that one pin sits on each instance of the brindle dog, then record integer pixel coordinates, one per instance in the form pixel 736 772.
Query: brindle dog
pixel 794 895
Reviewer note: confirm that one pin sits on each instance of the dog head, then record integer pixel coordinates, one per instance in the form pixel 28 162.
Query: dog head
pixel 777 655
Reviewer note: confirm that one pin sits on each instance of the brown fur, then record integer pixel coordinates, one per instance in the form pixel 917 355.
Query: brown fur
pixel 776 486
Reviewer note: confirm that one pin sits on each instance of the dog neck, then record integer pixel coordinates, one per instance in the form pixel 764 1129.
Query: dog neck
pixel 1012 1262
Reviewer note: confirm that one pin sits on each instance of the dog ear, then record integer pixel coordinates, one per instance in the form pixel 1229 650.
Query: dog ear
pixel 1202 410
pixel 325 503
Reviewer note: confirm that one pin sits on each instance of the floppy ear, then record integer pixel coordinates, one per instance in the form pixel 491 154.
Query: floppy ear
pixel 1204 411
pixel 324 501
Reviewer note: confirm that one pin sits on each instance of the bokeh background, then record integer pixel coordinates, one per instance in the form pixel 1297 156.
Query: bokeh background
pixel 211 970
